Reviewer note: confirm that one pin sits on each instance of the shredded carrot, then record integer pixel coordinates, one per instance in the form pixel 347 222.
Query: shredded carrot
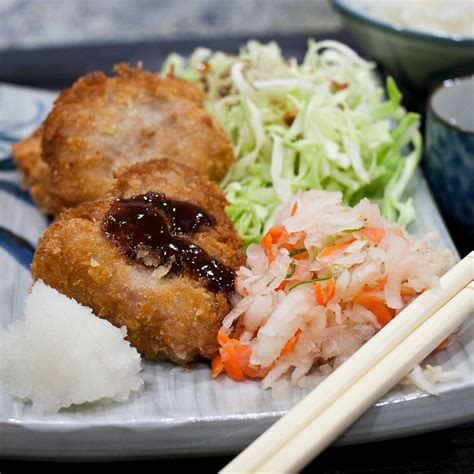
pixel 290 345
pixel 294 208
pixel 284 244
pixel 275 233
pixel 235 360
pixel 217 366
pixel 376 306
pixel 379 286
pixel 222 339
pixel 318 293
pixel 330 290
pixel 374 234
pixel 231 362
pixel 266 242
pixel 290 248
pixel 287 246
pixel 238 331
pixel 257 372
pixel 266 245
pixel 334 248
pixel 235 356
pixel 301 256
pixel 272 237
pixel 443 345
pixel 407 291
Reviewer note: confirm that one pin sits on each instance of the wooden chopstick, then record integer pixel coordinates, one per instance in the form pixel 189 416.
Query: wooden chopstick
pixel 326 427
pixel 282 432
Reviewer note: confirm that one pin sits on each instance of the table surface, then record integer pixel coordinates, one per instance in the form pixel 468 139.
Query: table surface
pixel 447 451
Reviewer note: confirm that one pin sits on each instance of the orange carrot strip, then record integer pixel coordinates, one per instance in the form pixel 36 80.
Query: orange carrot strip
pixel 272 237
pixel 275 233
pixel 318 293
pixel 407 291
pixel 301 256
pixel 266 245
pixel 290 345
pixel 234 359
pixel 443 345
pixel 257 373
pixel 379 286
pixel 330 290
pixel 283 244
pixel 222 339
pixel 294 208
pixel 238 331
pixel 231 362
pixel 287 246
pixel 334 248
pixel 374 234
pixel 233 355
pixel 266 242
pixel 376 306
pixel 243 353
pixel 217 366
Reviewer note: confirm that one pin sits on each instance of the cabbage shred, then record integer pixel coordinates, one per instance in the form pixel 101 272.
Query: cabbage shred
pixel 326 123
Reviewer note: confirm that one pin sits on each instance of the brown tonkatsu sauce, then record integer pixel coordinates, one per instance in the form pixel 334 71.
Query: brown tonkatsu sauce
pixel 153 223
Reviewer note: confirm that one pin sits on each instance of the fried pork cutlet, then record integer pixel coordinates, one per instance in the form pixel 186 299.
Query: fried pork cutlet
pixel 158 257
pixel 27 155
pixel 102 124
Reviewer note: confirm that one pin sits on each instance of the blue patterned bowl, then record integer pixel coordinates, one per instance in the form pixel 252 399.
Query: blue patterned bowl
pixel 449 152
pixel 418 58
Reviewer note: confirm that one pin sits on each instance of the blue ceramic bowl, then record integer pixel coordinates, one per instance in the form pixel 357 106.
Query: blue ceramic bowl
pixel 449 148
pixel 418 58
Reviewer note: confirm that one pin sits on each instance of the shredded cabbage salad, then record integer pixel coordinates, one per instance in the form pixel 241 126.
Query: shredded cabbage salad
pixel 326 123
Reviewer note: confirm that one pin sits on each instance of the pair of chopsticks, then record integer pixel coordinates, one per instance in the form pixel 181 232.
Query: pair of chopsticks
pixel 326 412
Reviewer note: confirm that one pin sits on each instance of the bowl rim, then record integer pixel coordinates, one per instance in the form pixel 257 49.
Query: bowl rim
pixel 343 8
pixel 447 83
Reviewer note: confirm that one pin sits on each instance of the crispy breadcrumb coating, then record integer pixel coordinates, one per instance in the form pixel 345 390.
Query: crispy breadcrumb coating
pixel 173 316
pixel 37 177
pixel 102 124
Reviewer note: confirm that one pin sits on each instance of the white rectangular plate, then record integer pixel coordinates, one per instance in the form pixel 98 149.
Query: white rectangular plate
pixel 185 412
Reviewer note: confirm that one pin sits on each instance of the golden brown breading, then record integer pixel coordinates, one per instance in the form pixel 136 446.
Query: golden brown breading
pixel 103 123
pixel 174 316
pixel 27 155
pixel 171 84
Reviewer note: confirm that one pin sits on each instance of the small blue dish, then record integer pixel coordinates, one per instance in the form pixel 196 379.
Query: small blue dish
pixel 449 153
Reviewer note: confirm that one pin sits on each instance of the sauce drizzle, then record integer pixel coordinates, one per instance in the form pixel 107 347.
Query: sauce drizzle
pixel 153 229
